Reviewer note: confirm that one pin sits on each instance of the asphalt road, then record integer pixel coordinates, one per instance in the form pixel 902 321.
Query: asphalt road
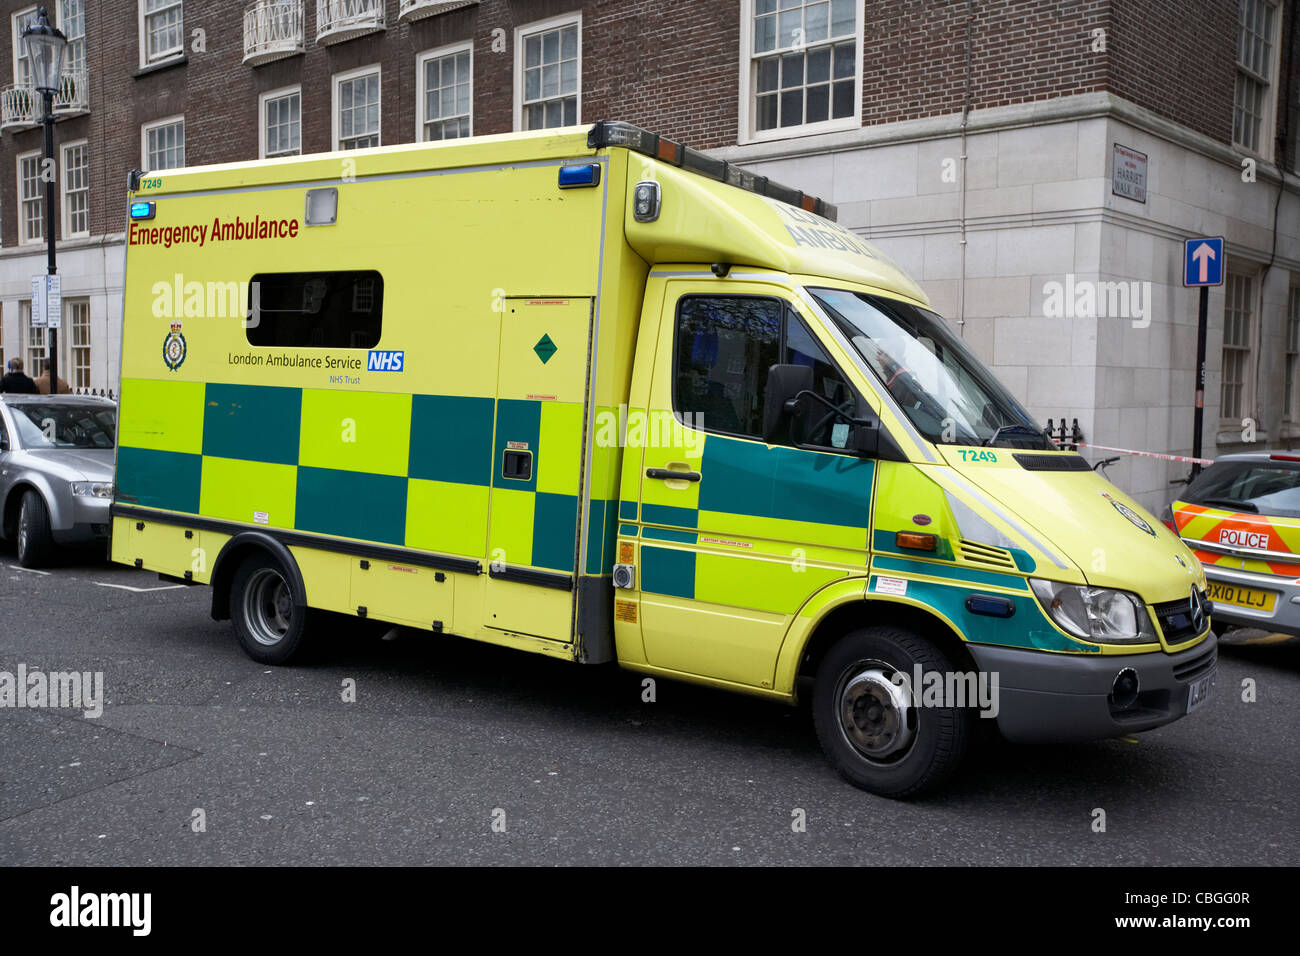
pixel 447 735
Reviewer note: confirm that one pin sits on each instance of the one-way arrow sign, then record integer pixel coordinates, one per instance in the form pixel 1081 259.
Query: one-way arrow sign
pixel 1203 262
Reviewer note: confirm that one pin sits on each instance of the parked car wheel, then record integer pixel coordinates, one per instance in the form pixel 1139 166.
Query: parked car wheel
pixel 35 541
pixel 865 718
pixel 270 627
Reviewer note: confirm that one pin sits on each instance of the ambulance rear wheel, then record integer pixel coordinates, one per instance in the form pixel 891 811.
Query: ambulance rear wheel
pixel 867 720
pixel 269 625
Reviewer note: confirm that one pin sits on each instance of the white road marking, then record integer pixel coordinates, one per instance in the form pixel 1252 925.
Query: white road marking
pixel 18 567
pixel 126 587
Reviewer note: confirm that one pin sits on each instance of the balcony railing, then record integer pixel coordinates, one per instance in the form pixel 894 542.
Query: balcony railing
pixel 272 31
pixel 419 9
pixel 339 20
pixel 20 106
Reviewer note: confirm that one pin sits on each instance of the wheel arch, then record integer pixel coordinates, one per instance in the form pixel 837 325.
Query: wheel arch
pixel 237 550
pixel 843 616
pixel 14 501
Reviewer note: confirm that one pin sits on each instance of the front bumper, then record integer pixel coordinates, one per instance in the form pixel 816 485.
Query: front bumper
pixel 89 519
pixel 1065 697
pixel 1284 618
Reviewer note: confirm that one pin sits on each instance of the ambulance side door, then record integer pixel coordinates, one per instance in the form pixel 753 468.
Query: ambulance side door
pixel 736 533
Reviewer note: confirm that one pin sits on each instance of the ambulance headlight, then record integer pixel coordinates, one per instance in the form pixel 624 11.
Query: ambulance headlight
pixel 646 201
pixel 1103 615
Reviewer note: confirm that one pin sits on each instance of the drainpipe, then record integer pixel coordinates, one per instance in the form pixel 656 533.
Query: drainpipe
pixel 961 214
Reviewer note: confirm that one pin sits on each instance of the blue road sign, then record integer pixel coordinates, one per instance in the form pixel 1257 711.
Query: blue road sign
pixel 1203 262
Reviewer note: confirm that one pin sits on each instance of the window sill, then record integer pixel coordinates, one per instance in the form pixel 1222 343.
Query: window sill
pixel 795 132
pixel 179 59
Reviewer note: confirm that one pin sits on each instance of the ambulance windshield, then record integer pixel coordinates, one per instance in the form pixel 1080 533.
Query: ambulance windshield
pixel 942 387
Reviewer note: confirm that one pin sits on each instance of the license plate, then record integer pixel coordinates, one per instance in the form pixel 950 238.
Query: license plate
pixel 1198 691
pixel 1241 597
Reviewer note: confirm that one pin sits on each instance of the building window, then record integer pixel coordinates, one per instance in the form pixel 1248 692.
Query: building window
pixel 78 321
pixel 22 65
pixel 1291 401
pixel 4 367
pixel 1238 334
pixel 37 350
pixel 356 109
pixel 76 189
pixel 164 144
pixel 548 64
pixel 72 21
pixel 445 81
pixel 31 199
pixel 162 30
pixel 801 66
pixel 282 123
pixel 1254 106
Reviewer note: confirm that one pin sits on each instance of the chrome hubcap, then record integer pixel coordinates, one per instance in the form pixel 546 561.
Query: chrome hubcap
pixel 876 716
pixel 268 607
pixel 22 531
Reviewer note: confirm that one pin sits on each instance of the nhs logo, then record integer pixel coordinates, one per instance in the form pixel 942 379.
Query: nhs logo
pixel 385 361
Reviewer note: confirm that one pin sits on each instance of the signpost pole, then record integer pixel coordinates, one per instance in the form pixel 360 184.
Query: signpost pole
pixel 1202 268
pixel 1202 325
pixel 52 331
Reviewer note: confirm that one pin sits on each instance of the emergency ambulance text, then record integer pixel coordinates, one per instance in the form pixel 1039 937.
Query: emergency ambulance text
pixel 198 234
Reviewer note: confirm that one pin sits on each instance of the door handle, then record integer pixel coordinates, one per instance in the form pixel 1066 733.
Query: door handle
pixel 667 474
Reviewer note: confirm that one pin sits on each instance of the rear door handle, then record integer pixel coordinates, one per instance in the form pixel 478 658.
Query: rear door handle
pixel 667 474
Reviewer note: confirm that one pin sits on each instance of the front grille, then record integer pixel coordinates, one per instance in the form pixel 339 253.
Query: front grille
pixel 1175 619
pixel 1196 666
pixel 1052 463
pixel 986 555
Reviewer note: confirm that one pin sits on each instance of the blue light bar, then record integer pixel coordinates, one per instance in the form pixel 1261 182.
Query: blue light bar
pixel 585 174
pixel 142 210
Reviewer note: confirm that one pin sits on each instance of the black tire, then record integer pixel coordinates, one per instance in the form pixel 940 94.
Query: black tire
pixel 271 628
pixel 35 540
pixel 901 750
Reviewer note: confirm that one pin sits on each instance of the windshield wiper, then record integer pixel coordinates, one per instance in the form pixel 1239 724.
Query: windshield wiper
pixel 1232 503
pixel 1024 429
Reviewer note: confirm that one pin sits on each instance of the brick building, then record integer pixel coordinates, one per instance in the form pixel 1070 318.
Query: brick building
pixel 1035 164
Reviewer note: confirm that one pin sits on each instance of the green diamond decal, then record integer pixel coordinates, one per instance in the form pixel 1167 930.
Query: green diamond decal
pixel 545 349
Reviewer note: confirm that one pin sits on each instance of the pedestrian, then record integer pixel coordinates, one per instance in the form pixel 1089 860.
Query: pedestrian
pixel 42 383
pixel 16 382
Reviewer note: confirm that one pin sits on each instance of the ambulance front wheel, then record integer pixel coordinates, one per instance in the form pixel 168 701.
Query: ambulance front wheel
pixel 269 625
pixel 870 723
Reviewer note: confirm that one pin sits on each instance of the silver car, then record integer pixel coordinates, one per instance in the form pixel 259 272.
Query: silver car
pixel 56 472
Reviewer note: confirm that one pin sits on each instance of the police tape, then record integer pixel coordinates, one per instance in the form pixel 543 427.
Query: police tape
pixel 1141 454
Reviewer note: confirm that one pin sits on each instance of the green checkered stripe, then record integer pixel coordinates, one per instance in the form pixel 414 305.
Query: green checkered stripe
pixel 414 471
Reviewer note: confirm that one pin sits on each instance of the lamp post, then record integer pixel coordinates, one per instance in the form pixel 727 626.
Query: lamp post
pixel 45 47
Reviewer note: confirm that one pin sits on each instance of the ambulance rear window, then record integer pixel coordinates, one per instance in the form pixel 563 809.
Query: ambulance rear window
pixel 325 310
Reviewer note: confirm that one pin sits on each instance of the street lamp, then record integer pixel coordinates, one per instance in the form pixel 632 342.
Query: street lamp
pixel 45 47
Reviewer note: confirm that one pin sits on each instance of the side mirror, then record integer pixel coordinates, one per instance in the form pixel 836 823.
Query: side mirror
pixel 784 382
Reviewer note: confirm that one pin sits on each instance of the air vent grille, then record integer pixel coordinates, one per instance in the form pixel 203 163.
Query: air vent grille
pixel 1052 462
pixel 987 555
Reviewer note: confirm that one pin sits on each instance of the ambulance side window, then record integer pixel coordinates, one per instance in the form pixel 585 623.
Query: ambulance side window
pixel 724 346
pixel 328 310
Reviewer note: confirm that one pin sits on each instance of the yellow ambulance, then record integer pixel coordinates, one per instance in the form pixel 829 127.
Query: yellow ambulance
pixel 596 395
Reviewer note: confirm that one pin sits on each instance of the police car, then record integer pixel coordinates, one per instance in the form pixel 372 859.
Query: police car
pixel 1241 517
